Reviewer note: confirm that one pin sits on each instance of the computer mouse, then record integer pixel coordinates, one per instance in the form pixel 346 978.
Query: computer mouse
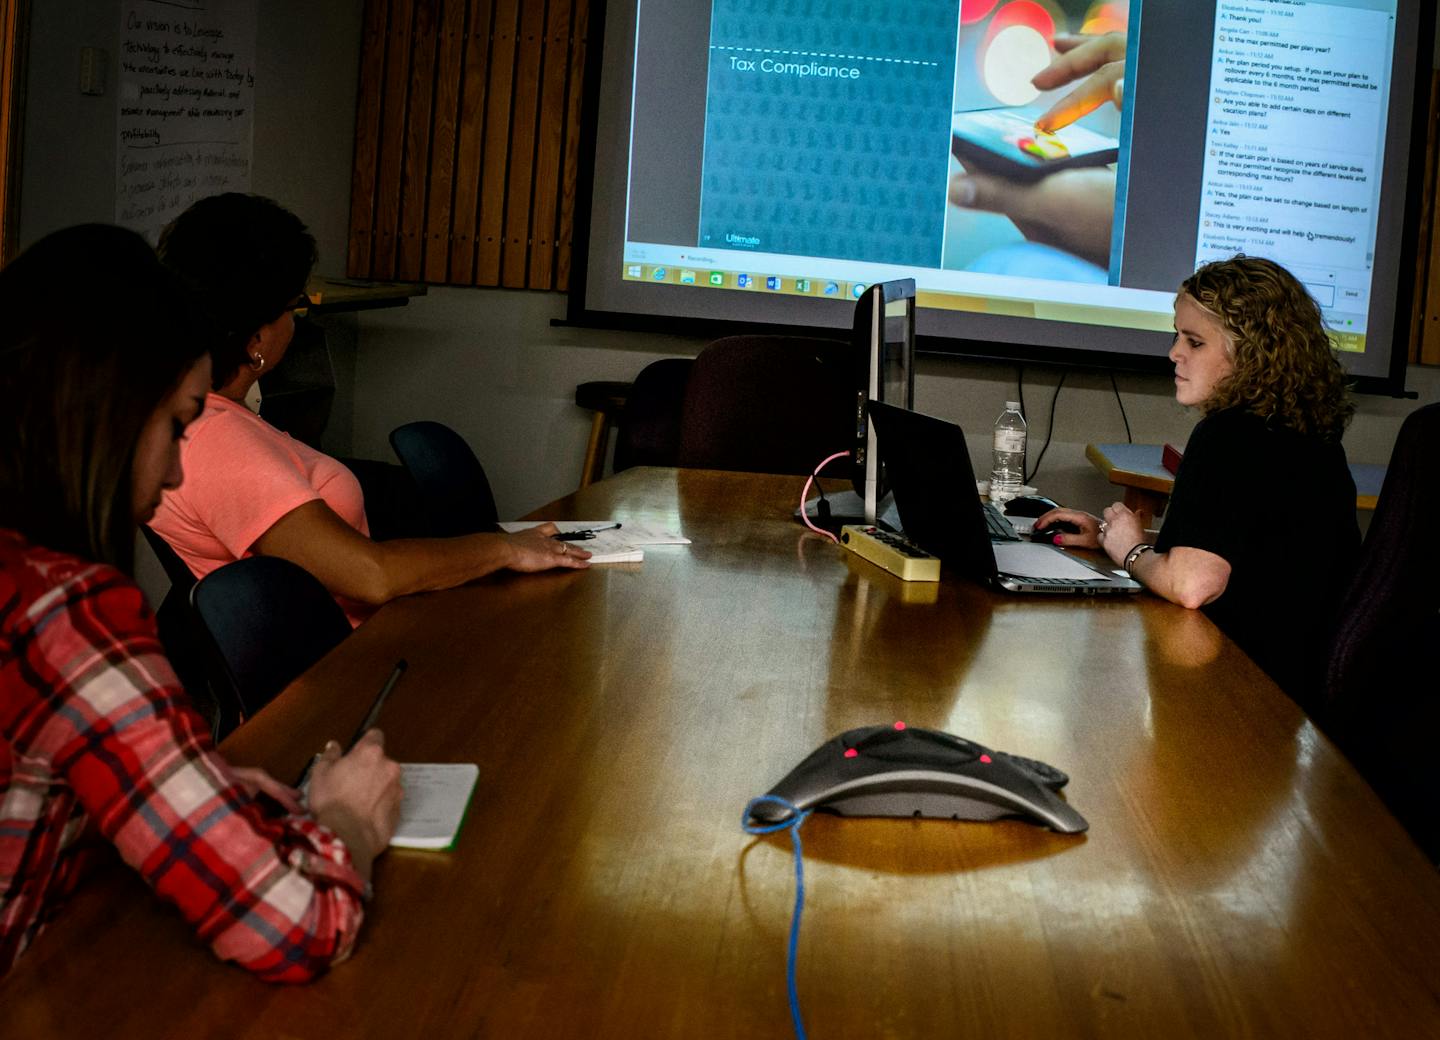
pixel 1029 505
pixel 1047 534
pixel 904 770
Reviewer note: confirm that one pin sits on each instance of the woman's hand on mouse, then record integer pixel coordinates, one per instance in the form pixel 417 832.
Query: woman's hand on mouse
pixel 1089 536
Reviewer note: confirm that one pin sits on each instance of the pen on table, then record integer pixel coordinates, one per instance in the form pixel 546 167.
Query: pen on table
pixel 584 535
pixel 370 717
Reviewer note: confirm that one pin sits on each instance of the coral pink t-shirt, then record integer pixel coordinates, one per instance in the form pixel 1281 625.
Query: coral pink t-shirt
pixel 241 476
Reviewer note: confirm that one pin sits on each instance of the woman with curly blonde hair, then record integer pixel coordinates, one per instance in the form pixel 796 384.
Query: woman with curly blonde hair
pixel 1251 351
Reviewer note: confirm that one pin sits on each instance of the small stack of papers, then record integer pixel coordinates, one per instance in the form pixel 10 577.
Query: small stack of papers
pixel 436 797
pixel 614 542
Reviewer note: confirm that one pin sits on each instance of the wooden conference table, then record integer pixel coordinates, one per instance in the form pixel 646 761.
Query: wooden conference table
pixel 1238 878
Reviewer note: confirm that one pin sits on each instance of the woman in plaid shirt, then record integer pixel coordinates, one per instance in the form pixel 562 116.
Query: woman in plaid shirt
pixel 97 738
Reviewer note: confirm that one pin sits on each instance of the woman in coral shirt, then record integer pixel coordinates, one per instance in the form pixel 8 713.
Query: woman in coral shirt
pixel 252 490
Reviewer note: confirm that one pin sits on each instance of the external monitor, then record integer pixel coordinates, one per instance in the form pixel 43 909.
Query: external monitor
pixel 884 340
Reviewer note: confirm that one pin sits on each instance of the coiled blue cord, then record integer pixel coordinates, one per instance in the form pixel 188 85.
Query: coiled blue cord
pixel 792 824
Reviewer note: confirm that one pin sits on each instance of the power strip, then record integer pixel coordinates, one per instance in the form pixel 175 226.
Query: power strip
pixel 906 560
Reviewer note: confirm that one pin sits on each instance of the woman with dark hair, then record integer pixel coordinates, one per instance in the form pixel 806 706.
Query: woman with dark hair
pixel 1252 352
pixel 252 490
pixel 97 737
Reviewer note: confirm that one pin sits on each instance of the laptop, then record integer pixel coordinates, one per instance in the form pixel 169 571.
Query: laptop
pixel 928 467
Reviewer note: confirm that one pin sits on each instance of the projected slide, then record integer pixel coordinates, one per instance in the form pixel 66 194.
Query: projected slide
pixel 1033 164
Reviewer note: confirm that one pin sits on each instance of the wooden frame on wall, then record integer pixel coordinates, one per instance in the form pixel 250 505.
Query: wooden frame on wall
pixel 14 21
pixel 466 139
pixel 1425 310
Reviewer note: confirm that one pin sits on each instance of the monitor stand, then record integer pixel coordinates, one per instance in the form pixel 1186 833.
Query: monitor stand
pixel 847 507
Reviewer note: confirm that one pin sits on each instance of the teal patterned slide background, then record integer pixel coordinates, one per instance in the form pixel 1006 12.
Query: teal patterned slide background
pixel 827 130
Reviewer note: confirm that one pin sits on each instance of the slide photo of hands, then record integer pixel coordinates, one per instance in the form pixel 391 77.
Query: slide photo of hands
pixel 1036 138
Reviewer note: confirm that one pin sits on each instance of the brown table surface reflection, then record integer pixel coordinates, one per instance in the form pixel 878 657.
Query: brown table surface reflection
pixel 1238 878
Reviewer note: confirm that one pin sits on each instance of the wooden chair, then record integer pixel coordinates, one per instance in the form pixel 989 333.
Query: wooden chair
pixel 768 404
pixel 607 399
pixel 760 404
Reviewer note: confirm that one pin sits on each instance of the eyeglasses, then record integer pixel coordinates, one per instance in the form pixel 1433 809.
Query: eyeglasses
pixel 301 305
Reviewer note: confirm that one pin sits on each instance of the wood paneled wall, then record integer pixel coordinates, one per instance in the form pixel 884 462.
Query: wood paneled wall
pixel 466 139
pixel 14 25
pixel 1425 312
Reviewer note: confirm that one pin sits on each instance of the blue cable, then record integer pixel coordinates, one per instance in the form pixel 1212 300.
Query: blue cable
pixel 792 824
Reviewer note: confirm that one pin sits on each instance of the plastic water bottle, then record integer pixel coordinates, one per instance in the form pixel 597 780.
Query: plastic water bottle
pixel 1007 468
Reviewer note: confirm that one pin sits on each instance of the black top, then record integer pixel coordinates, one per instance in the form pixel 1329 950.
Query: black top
pixel 1280 508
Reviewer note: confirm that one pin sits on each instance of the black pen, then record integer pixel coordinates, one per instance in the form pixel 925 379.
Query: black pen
pixel 370 716
pixel 583 536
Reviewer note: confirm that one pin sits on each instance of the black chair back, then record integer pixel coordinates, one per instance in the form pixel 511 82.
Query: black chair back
pixel 392 507
pixel 267 620
pixel 649 433
pixel 1382 698
pixel 768 404
pixel 184 643
pixel 454 491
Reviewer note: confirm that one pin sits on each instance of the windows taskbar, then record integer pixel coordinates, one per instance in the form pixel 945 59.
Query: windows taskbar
pixel 827 288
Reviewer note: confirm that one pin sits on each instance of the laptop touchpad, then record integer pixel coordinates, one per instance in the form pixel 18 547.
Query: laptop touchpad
pixel 1032 560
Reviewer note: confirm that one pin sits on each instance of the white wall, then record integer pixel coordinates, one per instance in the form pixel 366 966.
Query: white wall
pixel 489 363
pixel 68 148
pixel 307 71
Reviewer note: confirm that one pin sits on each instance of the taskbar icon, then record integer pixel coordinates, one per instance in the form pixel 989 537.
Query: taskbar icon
pixel 798 285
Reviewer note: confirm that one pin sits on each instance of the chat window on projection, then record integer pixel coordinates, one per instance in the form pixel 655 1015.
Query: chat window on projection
pixel 827 130
pixel 1293 146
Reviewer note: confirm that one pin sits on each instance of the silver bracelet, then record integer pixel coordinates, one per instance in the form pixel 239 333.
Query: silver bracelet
pixel 1134 554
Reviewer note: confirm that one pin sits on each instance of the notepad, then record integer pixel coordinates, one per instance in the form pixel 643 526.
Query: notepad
pixel 609 546
pixel 436 798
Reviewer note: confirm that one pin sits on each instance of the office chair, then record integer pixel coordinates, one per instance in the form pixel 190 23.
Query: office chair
pixel 649 430
pixel 454 492
pixel 392 501
pixel 267 620
pixel 1381 703
pixel 768 404
pixel 184 643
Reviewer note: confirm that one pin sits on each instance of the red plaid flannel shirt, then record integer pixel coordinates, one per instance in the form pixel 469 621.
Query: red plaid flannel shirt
pixel 95 730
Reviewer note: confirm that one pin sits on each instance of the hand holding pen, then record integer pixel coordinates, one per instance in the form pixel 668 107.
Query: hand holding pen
pixel 358 794
pixel 370 718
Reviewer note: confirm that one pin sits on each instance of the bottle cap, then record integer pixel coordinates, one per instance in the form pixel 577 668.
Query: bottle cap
pixel 1012 406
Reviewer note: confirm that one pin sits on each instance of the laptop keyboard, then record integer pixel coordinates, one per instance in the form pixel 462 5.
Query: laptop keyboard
pixel 999 527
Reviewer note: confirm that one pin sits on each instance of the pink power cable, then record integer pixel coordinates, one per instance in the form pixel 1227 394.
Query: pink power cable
pixel 806 494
